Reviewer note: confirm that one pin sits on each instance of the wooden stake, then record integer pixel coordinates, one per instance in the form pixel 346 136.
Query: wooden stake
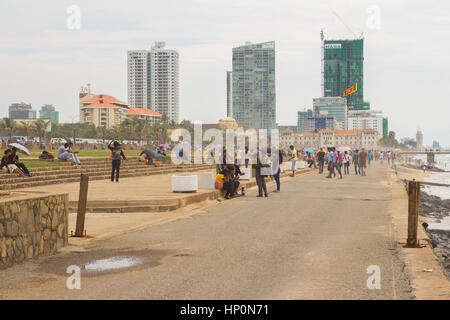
pixel 413 213
pixel 82 201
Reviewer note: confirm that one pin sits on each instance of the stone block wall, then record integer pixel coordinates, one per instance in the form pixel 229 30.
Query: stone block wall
pixel 31 226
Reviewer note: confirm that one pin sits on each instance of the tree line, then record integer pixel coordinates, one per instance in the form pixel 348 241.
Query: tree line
pixel 134 129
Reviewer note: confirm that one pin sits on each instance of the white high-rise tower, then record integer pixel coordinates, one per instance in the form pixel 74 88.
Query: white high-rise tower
pixel 165 81
pixel 139 79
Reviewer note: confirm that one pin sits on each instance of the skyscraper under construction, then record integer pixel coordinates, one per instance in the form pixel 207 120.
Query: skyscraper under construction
pixel 343 68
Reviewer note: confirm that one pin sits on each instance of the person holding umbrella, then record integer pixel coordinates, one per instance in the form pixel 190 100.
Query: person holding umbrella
pixel 10 167
pixel 14 159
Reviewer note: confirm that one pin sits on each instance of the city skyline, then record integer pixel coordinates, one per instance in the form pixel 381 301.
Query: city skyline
pixel 42 52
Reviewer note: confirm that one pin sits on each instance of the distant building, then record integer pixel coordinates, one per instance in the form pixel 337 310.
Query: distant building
pixel 286 127
pixel 49 112
pixel 385 127
pixel 308 121
pixel 153 80
pixel 355 139
pixel 139 78
pixel 253 73
pixel 343 68
pixel 229 94
pixel 143 114
pixel 103 111
pixel 409 142
pixel 436 145
pixel 419 140
pixel 366 119
pixel 333 107
pixel 21 111
pixel 165 81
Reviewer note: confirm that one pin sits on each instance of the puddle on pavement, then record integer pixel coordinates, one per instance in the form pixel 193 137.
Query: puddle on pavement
pixel 113 264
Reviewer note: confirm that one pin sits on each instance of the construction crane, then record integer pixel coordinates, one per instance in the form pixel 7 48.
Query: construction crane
pixel 348 28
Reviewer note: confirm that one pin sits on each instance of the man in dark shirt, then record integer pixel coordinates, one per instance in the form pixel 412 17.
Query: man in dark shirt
pixel 321 160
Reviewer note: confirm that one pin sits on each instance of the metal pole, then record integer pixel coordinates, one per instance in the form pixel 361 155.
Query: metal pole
pixel 82 200
pixel 413 212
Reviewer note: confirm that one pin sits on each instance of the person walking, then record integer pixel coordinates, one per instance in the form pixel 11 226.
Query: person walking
pixel 356 162
pixel 370 156
pixel 260 179
pixel 331 163
pixel 116 155
pixel 362 159
pixel 276 167
pixel 294 159
pixel 339 161
pixel 346 161
pixel 321 159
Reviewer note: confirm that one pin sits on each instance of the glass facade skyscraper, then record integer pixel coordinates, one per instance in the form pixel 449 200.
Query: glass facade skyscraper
pixel 254 103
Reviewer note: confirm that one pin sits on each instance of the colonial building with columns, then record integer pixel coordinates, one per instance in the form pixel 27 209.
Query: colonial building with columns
pixel 355 139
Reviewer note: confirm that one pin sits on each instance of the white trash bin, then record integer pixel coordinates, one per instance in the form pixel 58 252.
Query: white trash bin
pixel 184 183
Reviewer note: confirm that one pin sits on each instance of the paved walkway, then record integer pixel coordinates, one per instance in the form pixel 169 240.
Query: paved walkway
pixel 314 240
pixel 133 188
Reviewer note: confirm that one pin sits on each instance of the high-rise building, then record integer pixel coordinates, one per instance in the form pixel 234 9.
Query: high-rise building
pixel 49 112
pixel 419 140
pixel 21 111
pixel 139 78
pixel 153 80
pixel 366 119
pixel 254 103
pixel 333 107
pixel 343 68
pixel 165 81
pixel 385 127
pixel 229 94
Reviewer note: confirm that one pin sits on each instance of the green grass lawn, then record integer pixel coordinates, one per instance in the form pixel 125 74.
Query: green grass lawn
pixel 82 153
pixel 40 164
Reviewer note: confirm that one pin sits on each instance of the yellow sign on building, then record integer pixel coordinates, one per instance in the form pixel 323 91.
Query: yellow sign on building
pixel 350 90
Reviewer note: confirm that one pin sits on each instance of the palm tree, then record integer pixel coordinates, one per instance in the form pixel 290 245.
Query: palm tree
pixel 27 127
pixel 40 128
pixel 9 126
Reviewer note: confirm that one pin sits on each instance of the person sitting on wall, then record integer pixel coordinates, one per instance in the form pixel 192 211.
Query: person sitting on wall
pixel 14 159
pixel 12 168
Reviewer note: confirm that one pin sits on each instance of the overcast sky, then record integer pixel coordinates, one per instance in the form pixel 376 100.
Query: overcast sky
pixel 406 67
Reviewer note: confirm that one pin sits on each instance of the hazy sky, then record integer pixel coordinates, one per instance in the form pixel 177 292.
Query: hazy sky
pixel 407 69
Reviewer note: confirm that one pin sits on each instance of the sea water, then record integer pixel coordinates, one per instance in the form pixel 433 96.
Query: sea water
pixel 442 162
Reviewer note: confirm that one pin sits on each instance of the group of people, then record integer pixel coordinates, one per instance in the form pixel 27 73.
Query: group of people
pixel 228 178
pixel 336 160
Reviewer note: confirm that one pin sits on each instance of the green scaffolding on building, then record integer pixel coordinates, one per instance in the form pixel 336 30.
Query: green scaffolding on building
pixel 343 67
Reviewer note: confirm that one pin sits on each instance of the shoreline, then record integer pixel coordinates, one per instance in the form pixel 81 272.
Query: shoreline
pixel 434 210
pixel 434 284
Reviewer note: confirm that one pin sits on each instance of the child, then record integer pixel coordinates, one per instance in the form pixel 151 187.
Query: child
pixel 116 155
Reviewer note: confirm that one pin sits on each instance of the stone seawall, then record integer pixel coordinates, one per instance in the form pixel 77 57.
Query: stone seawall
pixel 32 225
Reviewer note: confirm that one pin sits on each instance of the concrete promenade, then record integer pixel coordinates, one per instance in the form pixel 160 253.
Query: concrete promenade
pixel 314 240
